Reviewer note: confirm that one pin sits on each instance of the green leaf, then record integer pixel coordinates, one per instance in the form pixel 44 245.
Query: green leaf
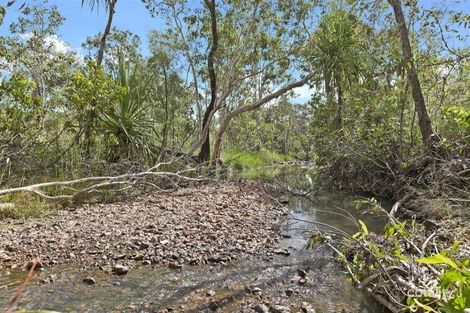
pixel 450 277
pixel 364 229
pixel 438 259
pixel 2 14
pixel 425 307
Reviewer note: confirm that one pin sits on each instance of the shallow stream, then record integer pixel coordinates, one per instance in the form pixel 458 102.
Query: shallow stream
pixel 231 287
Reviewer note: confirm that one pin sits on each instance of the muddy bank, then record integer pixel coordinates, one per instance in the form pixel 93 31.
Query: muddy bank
pixel 204 223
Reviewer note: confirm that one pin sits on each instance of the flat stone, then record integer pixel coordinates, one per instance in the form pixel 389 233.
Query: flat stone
pixel 256 290
pixel 279 309
pixel 261 308
pixel 119 269
pixel 175 266
pixel 284 252
pixel 307 308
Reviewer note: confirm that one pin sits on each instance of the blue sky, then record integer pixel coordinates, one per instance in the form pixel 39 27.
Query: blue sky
pixel 131 15
pixel 82 22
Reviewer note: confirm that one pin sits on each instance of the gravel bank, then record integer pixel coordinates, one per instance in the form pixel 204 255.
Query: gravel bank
pixel 213 222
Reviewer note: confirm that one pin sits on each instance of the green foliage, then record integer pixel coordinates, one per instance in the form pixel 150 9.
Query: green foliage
pixel 2 14
pixel 454 281
pixel 24 205
pixel 460 115
pixel 247 159
pixel 129 121
pixel 19 107
pixel 451 292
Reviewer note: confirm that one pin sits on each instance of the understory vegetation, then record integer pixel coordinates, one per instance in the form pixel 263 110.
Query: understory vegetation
pixel 374 95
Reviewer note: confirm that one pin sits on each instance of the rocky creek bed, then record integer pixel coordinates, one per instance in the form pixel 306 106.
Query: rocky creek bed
pixel 206 222
pixel 170 252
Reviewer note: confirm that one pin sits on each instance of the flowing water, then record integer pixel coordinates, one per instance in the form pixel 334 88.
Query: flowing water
pixel 147 289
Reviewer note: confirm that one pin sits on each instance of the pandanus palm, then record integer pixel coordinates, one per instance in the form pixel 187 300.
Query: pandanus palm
pixel 337 52
pixel 130 121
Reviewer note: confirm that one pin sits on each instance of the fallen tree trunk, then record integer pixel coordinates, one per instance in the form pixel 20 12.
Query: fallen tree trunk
pixel 70 189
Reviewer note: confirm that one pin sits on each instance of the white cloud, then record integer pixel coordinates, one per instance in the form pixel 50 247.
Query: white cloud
pixel 57 44
pixel 302 94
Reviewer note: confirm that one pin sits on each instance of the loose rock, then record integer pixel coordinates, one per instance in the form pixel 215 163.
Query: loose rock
pixel 284 252
pixel 279 309
pixel 120 269
pixel 175 266
pixel 307 308
pixel 261 308
pixel 89 280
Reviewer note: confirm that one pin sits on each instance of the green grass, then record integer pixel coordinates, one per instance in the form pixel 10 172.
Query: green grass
pixel 24 205
pixel 247 160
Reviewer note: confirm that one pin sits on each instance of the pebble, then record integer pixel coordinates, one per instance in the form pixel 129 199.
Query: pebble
pixel 279 309
pixel 210 293
pixel 37 266
pixel 289 292
pixel 256 290
pixel 284 252
pixel 307 308
pixel 100 235
pixel 302 273
pixel 89 280
pixel 214 306
pixel 261 308
pixel 175 266
pixel 119 269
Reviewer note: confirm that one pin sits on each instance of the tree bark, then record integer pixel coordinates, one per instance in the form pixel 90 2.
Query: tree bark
pixel 229 117
pixel 167 117
pixel 99 60
pixel 339 105
pixel 107 30
pixel 204 153
pixel 423 118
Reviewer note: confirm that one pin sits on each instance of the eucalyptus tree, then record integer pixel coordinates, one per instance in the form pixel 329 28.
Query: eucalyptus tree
pixel 259 58
pixel 240 47
pixel 423 117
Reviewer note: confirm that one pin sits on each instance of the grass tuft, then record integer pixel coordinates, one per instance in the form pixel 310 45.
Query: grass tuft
pixel 247 159
pixel 24 205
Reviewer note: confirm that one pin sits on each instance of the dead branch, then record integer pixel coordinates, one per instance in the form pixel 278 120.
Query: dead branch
pixel 71 189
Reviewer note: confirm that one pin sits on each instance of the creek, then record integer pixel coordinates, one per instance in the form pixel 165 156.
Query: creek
pixel 233 287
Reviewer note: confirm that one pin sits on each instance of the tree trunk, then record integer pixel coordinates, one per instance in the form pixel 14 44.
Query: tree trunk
pixel 423 118
pixel 204 153
pixel 228 118
pixel 107 30
pixel 167 117
pixel 91 116
pixel 339 105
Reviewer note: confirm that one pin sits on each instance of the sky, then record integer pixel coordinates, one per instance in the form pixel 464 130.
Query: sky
pixel 80 22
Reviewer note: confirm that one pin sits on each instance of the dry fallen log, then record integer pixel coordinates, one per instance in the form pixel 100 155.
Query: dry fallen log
pixel 71 189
